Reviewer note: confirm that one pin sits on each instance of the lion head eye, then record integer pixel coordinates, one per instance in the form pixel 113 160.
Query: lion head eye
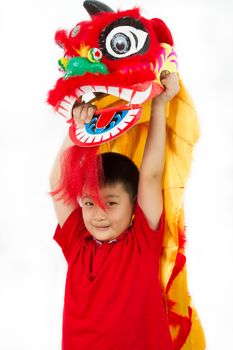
pixel 124 38
pixel 120 43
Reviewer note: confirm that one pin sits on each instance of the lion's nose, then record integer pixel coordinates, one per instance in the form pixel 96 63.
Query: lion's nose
pixel 87 62
pixel 81 66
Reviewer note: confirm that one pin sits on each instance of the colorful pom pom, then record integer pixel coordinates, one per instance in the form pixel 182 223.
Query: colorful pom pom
pixel 94 55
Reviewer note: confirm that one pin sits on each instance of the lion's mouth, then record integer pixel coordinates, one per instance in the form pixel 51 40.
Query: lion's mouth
pixel 107 123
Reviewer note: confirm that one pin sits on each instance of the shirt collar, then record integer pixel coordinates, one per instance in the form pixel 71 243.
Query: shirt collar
pixel 89 237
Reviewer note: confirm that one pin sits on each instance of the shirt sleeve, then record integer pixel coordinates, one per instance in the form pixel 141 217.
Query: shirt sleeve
pixel 144 232
pixel 70 232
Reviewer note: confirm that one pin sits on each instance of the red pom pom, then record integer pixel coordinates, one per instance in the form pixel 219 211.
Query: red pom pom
pixel 80 167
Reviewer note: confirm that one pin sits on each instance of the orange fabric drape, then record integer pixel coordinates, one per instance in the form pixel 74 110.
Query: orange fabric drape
pixel 182 134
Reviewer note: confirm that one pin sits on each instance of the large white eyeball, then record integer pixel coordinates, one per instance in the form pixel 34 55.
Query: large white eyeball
pixel 125 41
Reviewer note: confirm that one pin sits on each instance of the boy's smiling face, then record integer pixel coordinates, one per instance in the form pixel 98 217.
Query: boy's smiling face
pixel 107 224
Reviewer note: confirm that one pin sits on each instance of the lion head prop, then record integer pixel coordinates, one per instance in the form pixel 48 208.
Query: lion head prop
pixel 117 57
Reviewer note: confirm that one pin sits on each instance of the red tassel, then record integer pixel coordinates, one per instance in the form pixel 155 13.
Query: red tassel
pixel 80 167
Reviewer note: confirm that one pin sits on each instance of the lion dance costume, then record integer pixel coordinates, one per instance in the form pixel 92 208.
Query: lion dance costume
pixel 115 60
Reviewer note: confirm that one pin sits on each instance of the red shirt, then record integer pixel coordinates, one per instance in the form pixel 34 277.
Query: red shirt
pixel 113 298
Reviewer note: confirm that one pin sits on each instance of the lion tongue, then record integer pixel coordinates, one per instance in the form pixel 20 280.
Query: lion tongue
pixel 104 118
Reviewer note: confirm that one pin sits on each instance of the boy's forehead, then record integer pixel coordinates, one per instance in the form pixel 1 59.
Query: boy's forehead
pixel 110 191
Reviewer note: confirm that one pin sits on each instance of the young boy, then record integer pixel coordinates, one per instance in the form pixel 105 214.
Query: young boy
pixel 113 299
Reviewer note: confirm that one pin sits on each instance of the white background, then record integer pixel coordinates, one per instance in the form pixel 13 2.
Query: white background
pixel 32 267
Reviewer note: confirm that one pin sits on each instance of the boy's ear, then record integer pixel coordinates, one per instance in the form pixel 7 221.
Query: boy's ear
pixel 80 202
pixel 162 32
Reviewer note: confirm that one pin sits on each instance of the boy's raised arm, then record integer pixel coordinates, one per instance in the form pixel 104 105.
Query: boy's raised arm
pixel 82 114
pixel 62 210
pixel 150 196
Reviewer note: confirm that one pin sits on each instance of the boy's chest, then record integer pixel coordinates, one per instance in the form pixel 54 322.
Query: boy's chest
pixel 104 283
pixel 111 264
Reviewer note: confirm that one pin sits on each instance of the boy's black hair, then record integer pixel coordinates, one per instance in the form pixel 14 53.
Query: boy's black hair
pixel 118 168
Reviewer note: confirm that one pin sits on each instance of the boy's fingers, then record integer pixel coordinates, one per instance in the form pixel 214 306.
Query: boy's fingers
pixel 87 113
pixel 164 74
pixel 80 123
pixel 90 113
pixel 169 79
pixel 77 111
pixel 83 113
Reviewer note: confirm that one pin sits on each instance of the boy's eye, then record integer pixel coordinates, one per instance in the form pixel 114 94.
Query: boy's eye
pixel 88 204
pixel 109 204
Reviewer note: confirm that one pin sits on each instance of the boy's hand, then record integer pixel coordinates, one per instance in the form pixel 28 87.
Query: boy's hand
pixel 171 86
pixel 83 113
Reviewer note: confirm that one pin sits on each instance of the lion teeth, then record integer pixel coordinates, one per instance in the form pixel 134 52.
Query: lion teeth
pixel 90 138
pixel 141 96
pixel 115 131
pixel 98 138
pixel 87 89
pixel 122 125
pixel 126 94
pixel 70 100
pixel 106 136
pixel 80 135
pixel 78 93
pixel 129 117
pixel 100 89
pixel 64 113
pixel 65 105
pixel 115 91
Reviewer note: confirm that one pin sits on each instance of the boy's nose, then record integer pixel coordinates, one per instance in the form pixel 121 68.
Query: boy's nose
pixel 100 214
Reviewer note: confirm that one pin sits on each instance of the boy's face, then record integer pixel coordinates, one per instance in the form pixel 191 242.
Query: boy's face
pixel 107 224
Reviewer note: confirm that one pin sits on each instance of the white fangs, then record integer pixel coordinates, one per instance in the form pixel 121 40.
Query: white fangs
pixel 141 96
pixel 100 89
pixel 112 90
pixel 88 94
pixel 64 108
pixel 126 94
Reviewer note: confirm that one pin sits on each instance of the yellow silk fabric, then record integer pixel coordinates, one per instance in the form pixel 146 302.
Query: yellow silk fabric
pixel 182 134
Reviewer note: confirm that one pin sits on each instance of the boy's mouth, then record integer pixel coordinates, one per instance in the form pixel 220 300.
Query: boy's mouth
pixel 102 227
